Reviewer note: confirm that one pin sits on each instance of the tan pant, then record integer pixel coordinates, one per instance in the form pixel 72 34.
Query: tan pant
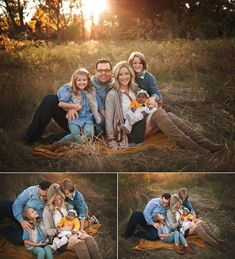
pixel 181 133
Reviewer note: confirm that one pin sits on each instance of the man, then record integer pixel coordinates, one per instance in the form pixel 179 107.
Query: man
pixel 32 197
pixel 144 219
pixel 49 109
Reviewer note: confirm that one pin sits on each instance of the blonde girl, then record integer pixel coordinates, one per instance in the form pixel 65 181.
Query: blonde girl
pixel 35 240
pixel 81 97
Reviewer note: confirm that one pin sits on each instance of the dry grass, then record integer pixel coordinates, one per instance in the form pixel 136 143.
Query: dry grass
pixel 196 79
pixel 98 190
pixel 212 196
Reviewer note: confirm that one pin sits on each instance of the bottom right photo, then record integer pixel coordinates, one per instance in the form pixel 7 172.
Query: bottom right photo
pixel 174 215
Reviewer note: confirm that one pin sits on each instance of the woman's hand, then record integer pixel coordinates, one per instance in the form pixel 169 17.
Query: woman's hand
pixel 67 228
pixel 152 103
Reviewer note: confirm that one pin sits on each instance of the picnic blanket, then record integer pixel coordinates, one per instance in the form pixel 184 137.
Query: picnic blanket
pixel 99 147
pixel 10 251
pixel 145 245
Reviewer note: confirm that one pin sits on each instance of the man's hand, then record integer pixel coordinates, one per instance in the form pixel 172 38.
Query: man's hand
pixel 72 114
pixel 26 225
pixel 156 225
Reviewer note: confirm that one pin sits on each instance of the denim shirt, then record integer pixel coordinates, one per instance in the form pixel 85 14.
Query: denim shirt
pixel 85 116
pixel 153 207
pixel 101 91
pixel 148 82
pixel 164 229
pixel 63 90
pixel 79 204
pixel 29 198
pixel 189 206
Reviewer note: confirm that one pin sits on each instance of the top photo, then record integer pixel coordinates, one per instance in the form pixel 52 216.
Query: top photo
pixel 117 86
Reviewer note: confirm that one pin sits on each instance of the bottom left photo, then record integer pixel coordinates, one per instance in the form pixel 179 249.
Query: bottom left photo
pixel 63 215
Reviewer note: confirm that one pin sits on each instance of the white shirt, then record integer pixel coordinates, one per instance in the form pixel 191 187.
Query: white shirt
pixel 126 102
pixel 57 215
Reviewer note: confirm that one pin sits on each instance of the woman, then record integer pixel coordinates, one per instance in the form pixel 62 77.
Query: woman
pixel 85 247
pixel 199 227
pixel 118 100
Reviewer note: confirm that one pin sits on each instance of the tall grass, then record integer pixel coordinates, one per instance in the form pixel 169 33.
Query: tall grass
pixel 29 72
pixel 196 79
pixel 210 194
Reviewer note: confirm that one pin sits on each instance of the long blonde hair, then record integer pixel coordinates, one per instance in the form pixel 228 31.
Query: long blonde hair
pixel 81 72
pixel 52 192
pixel 116 71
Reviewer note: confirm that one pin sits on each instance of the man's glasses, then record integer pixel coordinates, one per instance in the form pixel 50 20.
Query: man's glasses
pixel 103 71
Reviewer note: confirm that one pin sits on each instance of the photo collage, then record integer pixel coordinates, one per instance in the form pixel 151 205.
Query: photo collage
pixel 117 129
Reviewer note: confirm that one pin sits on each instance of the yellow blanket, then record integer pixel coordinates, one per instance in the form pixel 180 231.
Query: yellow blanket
pixel 151 245
pixel 11 251
pixel 156 141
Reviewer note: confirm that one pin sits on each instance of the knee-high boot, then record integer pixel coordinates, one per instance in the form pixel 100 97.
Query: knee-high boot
pixel 209 231
pixel 167 126
pixel 194 135
pixel 93 248
pixel 81 250
pixel 204 236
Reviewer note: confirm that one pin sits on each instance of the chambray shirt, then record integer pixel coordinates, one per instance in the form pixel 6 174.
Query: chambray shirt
pixel 79 204
pixel 101 91
pixel 148 82
pixel 153 207
pixel 189 206
pixel 29 198
pixel 164 229
pixel 85 115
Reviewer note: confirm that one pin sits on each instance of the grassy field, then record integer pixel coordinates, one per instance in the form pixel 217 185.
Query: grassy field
pixel 212 196
pixel 99 191
pixel 196 79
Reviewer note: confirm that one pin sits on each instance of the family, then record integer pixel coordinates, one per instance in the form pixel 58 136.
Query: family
pixel 124 102
pixel 50 218
pixel 171 218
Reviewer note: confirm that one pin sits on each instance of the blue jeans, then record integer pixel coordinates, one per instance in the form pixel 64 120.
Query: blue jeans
pixel 137 218
pixel 47 110
pixel 42 252
pixel 175 237
pixel 12 233
pixel 75 131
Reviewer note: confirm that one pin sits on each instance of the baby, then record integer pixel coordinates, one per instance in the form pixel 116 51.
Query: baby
pixel 138 109
pixel 64 235
pixel 184 218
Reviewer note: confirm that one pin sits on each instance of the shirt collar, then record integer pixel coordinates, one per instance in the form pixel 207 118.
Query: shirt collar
pixel 142 75
pixel 73 196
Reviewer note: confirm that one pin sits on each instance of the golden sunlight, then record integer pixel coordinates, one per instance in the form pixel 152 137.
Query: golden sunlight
pixel 92 10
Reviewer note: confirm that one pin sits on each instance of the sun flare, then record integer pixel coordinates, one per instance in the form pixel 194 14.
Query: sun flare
pixel 92 10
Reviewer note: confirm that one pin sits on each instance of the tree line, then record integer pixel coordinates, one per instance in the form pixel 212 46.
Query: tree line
pixel 124 19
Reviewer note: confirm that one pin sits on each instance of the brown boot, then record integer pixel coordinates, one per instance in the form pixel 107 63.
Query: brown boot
pixel 81 250
pixel 161 120
pixel 188 249
pixel 178 250
pixel 194 135
pixel 92 248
